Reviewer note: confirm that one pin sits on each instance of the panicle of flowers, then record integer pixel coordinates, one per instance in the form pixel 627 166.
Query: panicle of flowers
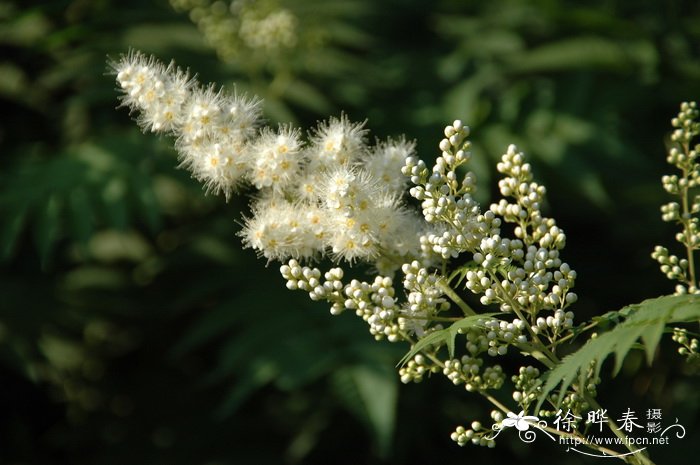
pixel 213 128
pixel 686 209
pixel 336 197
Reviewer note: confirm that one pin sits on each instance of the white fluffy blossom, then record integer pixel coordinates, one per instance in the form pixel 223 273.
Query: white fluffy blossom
pixel 279 230
pixel 212 127
pixel 337 142
pixel 386 160
pixel 275 158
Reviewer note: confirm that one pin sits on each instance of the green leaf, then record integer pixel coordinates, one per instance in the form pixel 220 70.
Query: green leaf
pixel 646 321
pixel 371 393
pixel 446 336
pixel 81 215
pixel 9 232
pixel 588 52
pixel 47 228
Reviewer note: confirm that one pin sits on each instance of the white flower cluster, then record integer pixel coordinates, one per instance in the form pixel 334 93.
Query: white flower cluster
pixel 243 26
pixel 333 195
pixel 273 31
pixel 213 129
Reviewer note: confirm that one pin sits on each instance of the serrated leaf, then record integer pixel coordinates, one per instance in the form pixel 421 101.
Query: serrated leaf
pixel 445 336
pixel 572 53
pixel 646 321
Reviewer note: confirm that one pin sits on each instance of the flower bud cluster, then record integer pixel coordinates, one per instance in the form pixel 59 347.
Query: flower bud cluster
pixel 500 334
pixel 533 275
pixel 425 299
pixel 683 212
pixel 464 370
pixel 689 345
pixel 675 269
pixel 468 371
pixel 416 368
pixel 495 337
pixel 308 279
pixel 445 201
pixel 528 386
pixel 475 435
pixel 555 325
pixel 374 302
pixel 686 124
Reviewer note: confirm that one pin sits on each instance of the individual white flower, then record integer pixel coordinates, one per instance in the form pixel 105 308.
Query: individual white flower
pixel 203 115
pixel 241 113
pixel 308 187
pixel 221 166
pixel 349 190
pixel 275 158
pixel 385 161
pixel 337 142
pixel 351 238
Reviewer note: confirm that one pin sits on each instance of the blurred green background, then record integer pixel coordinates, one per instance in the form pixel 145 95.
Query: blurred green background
pixel 133 328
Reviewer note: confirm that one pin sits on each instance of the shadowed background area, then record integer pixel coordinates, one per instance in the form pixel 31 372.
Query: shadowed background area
pixel 134 329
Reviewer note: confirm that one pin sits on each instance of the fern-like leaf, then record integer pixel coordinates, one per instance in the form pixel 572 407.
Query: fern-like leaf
pixel 646 321
pixel 446 336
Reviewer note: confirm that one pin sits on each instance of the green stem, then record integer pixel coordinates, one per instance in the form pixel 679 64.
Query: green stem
pixel 449 292
pixel 685 220
pixel 573 334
